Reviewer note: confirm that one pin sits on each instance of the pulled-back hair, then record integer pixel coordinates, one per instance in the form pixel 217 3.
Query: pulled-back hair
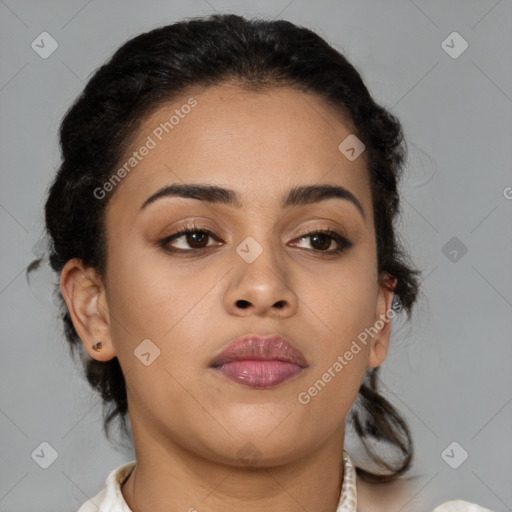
pixel 155 67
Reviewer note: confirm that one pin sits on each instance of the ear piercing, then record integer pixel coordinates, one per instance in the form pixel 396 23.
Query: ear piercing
pixel 97 346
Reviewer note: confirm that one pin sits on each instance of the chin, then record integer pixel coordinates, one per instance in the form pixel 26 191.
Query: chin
pixel 265 440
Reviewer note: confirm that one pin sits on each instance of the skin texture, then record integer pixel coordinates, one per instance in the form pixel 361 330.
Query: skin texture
pixel 189 423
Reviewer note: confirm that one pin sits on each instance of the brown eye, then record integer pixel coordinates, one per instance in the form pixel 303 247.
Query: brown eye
pixel 321 241
pixel 197 239
pixel 187 239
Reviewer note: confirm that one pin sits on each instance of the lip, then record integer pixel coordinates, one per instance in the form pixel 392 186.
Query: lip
pixel 259 361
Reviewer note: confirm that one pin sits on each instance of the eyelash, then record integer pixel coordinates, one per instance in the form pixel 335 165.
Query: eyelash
pixel 342 242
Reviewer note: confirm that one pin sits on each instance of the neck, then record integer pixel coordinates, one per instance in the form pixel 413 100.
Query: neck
pixel 169 477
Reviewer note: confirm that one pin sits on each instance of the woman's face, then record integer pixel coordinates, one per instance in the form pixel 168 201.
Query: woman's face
pixel 173 308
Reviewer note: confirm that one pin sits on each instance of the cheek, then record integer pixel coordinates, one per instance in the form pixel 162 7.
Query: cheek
pixel 341 353
pixel 149 295
pixel 346 299
pixel 341 312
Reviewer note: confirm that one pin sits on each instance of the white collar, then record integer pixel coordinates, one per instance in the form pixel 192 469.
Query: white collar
pixel 348 497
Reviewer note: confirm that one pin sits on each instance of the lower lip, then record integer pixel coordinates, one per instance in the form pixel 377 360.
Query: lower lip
pixel 259 374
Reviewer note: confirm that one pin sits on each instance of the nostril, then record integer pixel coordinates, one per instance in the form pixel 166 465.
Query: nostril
pixel 242 304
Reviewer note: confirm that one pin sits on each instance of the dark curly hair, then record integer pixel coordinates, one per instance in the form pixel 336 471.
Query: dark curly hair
pixel 157 66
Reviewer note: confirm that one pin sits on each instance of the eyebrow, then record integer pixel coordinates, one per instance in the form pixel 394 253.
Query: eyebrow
pixel 296 196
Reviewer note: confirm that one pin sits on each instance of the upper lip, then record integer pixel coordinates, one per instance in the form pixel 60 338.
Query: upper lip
pixel 263 348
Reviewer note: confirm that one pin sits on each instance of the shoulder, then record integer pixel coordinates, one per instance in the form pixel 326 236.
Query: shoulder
pixel 384 497
pixel 404 495
pixel 460 506
pixel 110 498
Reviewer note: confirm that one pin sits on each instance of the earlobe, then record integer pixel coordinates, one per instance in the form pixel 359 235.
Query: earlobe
pixel 382 321
pixel 83 293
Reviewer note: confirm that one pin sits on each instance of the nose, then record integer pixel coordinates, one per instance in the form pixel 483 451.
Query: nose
pixel 262 287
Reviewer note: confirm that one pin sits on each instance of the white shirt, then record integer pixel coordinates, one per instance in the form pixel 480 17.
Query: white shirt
pixel 111 499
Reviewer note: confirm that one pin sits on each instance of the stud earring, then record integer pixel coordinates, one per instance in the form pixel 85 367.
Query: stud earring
pixel 97 346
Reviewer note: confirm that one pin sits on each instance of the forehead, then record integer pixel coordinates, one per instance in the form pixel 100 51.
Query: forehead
pixel 260 143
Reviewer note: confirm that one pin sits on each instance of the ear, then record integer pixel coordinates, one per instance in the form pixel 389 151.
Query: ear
pixel 382 322
pixel 84 294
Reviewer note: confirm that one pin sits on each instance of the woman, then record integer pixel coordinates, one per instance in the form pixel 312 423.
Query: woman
pixel 222 225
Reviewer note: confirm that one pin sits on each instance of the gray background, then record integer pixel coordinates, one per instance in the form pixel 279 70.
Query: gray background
pixel 448 371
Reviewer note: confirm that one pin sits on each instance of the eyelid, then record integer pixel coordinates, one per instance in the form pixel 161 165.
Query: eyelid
pixel 316 229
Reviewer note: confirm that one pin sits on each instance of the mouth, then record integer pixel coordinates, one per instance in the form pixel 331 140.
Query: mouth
pixel 259 361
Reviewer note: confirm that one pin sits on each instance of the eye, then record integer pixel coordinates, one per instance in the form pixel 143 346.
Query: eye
pixel 321 241
pixel 196 238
